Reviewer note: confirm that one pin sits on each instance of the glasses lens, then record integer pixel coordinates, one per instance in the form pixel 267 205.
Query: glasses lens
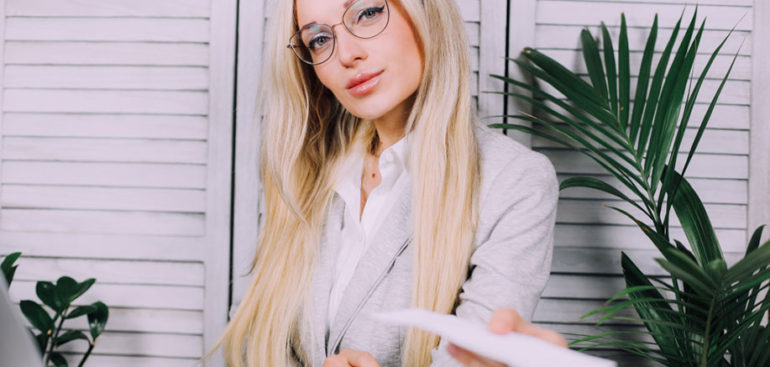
pixel 314 44
pixel 367 18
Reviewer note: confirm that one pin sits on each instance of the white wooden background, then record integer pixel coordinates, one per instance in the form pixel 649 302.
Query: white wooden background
pixel 116 159
pixel 116 142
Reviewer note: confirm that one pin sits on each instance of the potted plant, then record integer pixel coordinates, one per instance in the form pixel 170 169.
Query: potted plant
pixel 48 330
pixel 708 313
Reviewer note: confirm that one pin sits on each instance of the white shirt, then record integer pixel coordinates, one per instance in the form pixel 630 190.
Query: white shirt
pixel 357 234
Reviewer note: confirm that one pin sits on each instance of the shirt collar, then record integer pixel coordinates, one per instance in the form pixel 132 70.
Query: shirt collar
pixel 350 181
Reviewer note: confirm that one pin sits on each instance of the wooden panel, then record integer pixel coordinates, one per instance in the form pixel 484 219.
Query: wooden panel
pixel 133 296
pixel 105 125
pixel 76 221
pixel 106 53
pixel 567 37
pixel 759 189
pixel 147 321
pixel 31 100
pixel 585 286
pixel 144 344
pixel 74 197
pixel 607 262
pixel 701 166
pixel 106 77
pixel 100 360
pixel 110 150
pixel 741 69
pixel 712 141
pixel 111 8
pixel 191 176
pixel 104 246
pixel 572 211
pixel 585 12
pixel 710 191
pixel 110 29
pixel 470 10
pixel 629 236
pixel 112 271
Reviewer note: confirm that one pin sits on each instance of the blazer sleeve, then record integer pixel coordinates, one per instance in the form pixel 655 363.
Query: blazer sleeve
pixel 512 258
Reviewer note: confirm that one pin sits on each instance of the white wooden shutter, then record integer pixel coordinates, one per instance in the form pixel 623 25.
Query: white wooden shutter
pixel 115 159
pixel 589 237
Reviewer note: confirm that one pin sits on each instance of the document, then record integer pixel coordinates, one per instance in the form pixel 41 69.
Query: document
pixel 512 349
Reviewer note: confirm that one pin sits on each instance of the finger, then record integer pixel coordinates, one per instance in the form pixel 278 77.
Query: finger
pixel 505 320
pixel 357 358
pixel 470 359
pixel 336 360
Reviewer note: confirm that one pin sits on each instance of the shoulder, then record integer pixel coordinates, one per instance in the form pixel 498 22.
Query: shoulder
pixel 506 162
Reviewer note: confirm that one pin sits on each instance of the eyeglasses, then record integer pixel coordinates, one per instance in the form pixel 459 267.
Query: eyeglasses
pixel 314 43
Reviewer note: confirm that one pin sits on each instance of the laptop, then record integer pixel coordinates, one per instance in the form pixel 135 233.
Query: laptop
pixel 17 349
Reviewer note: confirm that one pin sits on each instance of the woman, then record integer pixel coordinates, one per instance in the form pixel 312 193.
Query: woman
pixel 381 193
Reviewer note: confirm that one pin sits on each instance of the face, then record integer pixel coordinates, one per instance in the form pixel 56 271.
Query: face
pixel 372 78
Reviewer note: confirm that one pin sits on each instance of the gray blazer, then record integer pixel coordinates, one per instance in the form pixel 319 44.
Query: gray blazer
pixel 509 266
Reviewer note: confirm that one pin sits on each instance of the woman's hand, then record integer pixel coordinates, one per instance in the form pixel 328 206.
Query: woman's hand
pixel 351 358
pixel 503 321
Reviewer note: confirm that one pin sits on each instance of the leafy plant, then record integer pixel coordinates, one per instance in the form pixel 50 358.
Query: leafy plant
pixel 709 314
pixel 59 298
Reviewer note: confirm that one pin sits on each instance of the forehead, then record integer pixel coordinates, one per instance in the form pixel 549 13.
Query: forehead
pixel 320 11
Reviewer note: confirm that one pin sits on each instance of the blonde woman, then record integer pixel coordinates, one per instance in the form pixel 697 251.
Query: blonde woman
pixel 381 192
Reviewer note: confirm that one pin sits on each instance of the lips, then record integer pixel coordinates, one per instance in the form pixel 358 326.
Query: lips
pixel 363 83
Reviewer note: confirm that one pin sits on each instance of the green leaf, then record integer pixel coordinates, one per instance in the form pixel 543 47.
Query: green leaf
pixel 643 81
pixel 695 222
pixel 609 64
pixel 80 311
pixel 98 319
pixel 37 316
pixel 624 74
pixel 58 360
pixel 8 268
pixel 46 291
pixel 754 241
pixel 593 63
pixel 70 336
pixel 82 287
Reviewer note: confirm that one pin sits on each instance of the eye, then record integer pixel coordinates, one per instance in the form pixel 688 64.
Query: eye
pixel 318 42
pixel 369 13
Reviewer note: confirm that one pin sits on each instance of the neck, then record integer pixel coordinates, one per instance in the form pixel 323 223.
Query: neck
pixel 391 127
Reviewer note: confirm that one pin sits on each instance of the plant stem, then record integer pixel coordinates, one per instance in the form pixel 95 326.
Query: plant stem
pixel 707 334
pixel 53 338
pixel 88 352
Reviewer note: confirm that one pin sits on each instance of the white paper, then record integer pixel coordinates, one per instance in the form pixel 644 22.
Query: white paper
pixel 513 349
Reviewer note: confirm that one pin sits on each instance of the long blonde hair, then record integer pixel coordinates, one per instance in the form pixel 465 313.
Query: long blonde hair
pixel 305 136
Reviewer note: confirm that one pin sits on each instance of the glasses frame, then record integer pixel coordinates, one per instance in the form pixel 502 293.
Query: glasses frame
pixel 298 35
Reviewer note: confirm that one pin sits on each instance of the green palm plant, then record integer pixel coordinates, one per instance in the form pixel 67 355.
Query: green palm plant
pixel 708 314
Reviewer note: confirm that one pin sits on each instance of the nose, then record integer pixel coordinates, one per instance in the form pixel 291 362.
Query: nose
pixel 349 48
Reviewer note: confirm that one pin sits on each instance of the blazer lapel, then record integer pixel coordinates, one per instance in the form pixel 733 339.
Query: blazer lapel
pixel 389 241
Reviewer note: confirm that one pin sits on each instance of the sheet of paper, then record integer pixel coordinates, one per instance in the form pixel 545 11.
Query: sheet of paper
pixel 513 349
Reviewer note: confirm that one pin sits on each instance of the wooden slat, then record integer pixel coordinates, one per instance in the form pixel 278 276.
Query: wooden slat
pixel 742 3
pixel 105 126
pixel 583 286
pixel 701 166
pixel 99 360
pixel 110 8
pixel 107 77
pixel 593 13
pixel 713 141
pixel 558 310
pixel 710 191
pixel 111 150
pixel 607 261
pixel 567 37
pixel 631 237
pixel 143 344
pixel 146 321
pixel 472 31
pixel 106 101
pixel 104 246
pixel 191 176
pixel 741 70
pixel 470 10
pixel 110 29
pixel 112 271
pixel 78 197
pixel 127 296
pixel 104 222
pixel 106 53
pixel 730 216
